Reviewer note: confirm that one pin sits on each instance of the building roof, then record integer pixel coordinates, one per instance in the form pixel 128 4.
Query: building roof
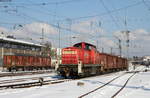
pixel 18 41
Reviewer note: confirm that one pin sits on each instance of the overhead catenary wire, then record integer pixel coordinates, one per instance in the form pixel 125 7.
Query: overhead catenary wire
pixel 45 3
pixel 105 13
pixel 98 15
pixel 148 6
pixel 21 14
pixel 41 11
pixel 41 21
pixel 71 19
pixel 118 18
pixel 63 28
pixel 46 11
pixel 109 13
pixel 106 21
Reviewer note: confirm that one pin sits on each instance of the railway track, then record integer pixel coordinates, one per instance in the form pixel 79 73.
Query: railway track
pixel 109 83
pixel 32 84
pixel 123 86
pixel 4 84
pixel 24 73
pixel 21 79
pixel 13 82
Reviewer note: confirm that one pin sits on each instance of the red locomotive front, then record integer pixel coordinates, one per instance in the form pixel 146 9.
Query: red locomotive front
pixel 79 59
pixel 70 55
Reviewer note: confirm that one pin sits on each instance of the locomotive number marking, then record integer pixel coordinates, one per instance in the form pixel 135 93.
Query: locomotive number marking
pixel 69 52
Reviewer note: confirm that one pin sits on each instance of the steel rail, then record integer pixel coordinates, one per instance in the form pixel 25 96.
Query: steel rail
pixel 23 73
pixel 32 84
pixel 100 86
pixel 123 86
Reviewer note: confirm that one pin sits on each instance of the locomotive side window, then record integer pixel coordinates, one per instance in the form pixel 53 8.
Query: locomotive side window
pixel 87 47
pixel 93 48
pixel 78 45
pixel 90 47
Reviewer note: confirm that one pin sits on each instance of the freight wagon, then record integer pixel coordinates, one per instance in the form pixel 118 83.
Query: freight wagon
pixel 21 55
pixel 84 60
pixel 26 62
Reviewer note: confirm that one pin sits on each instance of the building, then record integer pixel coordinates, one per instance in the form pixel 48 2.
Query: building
pixel 12 46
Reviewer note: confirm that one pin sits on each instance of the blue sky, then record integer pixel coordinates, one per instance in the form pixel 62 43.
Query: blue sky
pixel 105 23
pixel 74 9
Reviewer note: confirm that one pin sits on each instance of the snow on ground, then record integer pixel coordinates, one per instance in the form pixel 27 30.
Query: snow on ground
pixel 138 87
pixel 136 67
pixel 109 90
pixel 51 75
pixel 9 80
pixel 61 90
pixel 6 71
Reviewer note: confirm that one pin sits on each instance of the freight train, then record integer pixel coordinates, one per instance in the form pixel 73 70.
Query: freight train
pixel 83 59
pixel 21 55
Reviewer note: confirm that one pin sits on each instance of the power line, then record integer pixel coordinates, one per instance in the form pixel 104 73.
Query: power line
pixel 101 14
pixel 24 15
pixel 144 2
pixel 10 23
pixel 53 25
pixel 117 14
pixel 41 11
pixel 108 11
pixel 105 13
pixel 47 11
pixel 107 21
pixel 45 3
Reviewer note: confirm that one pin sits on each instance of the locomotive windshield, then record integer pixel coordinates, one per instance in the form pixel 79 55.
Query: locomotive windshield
pixel 85 46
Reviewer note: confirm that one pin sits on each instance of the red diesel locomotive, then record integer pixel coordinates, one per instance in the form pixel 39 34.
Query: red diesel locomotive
pixel 84 60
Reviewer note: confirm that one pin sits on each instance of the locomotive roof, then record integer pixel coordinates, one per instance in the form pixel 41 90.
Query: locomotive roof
pixel 18 41
pixel 86 44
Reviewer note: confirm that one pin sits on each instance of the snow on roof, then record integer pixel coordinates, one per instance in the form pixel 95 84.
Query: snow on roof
pixel 19 41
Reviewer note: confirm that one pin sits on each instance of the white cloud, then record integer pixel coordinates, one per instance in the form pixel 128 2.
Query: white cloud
pixel 34 31
pixel 107 42
pixel 87 31
pixel 4 30
pixel 89 27
pixel 36 28
pixel 91 31
pixel 141 34
pixel 138 34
